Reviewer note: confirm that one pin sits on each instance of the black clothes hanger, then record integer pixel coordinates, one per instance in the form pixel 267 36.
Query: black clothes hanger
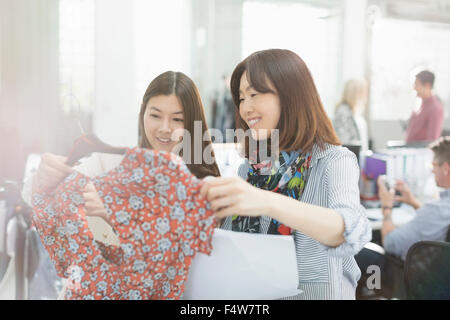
pixel 89 143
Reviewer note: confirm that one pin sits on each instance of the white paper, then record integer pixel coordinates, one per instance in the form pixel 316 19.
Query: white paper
pixel 244 266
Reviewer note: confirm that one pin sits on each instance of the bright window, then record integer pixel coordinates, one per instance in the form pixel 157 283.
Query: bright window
pixel 401 49
pixel 76 54
pixel 311 32
pixel 162 39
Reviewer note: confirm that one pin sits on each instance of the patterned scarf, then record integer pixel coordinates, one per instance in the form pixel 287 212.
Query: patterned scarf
pixel 287 176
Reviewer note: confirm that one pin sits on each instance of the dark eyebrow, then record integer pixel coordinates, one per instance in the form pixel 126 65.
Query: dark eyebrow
pixel 246 89
pixel 156 109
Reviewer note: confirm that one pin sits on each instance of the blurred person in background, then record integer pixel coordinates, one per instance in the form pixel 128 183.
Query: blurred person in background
pixel 426 123
pixel 348 121
pixel 431 223
pixel 432 219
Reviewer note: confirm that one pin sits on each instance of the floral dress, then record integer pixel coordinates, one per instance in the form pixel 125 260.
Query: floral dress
pixel 152 201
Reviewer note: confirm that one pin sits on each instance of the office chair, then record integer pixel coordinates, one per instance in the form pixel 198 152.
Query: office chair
pixel 392 272
pixel 397 266
pixel 355 148
pixel 394 265
pixel 427 271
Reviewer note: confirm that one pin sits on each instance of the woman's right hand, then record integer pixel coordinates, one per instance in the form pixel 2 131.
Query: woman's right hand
pixel 52 170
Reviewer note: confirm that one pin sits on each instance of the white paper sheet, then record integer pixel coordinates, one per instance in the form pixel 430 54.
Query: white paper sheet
pixel 244 266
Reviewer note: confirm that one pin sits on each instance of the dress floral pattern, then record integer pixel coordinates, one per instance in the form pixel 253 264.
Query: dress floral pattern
pixel 152 201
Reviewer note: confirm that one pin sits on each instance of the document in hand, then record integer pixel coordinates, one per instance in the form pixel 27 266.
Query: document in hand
pixel 244 266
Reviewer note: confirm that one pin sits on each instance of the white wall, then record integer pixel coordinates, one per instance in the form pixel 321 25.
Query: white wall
pixel 216 44
pixel 29 82
pixel 354 39
pixel 116 109
pixel 29 69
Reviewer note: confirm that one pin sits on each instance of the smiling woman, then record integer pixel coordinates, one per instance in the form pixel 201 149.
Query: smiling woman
pixel 170 104
pixel 264 118
pixel 285 96
pixel 309 189
pixel 163 117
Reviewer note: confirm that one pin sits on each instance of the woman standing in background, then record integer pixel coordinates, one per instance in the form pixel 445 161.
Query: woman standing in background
pixel 349 122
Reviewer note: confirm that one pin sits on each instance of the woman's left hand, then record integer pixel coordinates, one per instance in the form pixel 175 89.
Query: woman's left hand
pixel 232 195
pixel 93 204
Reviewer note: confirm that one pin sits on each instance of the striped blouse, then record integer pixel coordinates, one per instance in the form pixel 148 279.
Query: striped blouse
pixel 325 272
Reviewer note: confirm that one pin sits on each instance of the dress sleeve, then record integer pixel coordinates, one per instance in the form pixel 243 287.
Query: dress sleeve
pixel 156 248
pixel 203 218
pixel 62 226
pixel 200 219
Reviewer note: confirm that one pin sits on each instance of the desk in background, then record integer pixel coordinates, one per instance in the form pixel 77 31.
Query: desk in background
pixel 400 216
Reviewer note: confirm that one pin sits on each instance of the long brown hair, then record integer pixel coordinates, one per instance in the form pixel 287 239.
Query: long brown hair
pixel 180 85
pixel 303 120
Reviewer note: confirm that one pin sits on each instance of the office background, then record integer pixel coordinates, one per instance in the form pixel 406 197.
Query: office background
pixel 64 60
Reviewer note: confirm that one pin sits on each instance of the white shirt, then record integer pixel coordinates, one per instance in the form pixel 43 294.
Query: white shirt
pixel 363 132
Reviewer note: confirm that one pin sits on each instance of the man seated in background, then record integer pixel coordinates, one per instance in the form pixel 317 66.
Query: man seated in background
pixel 425 124
pixel 431 222
pixel 432 219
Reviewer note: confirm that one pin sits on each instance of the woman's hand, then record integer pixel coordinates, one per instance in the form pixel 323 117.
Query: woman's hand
pixel 230 196
pixel 52 170
pixel 93 204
